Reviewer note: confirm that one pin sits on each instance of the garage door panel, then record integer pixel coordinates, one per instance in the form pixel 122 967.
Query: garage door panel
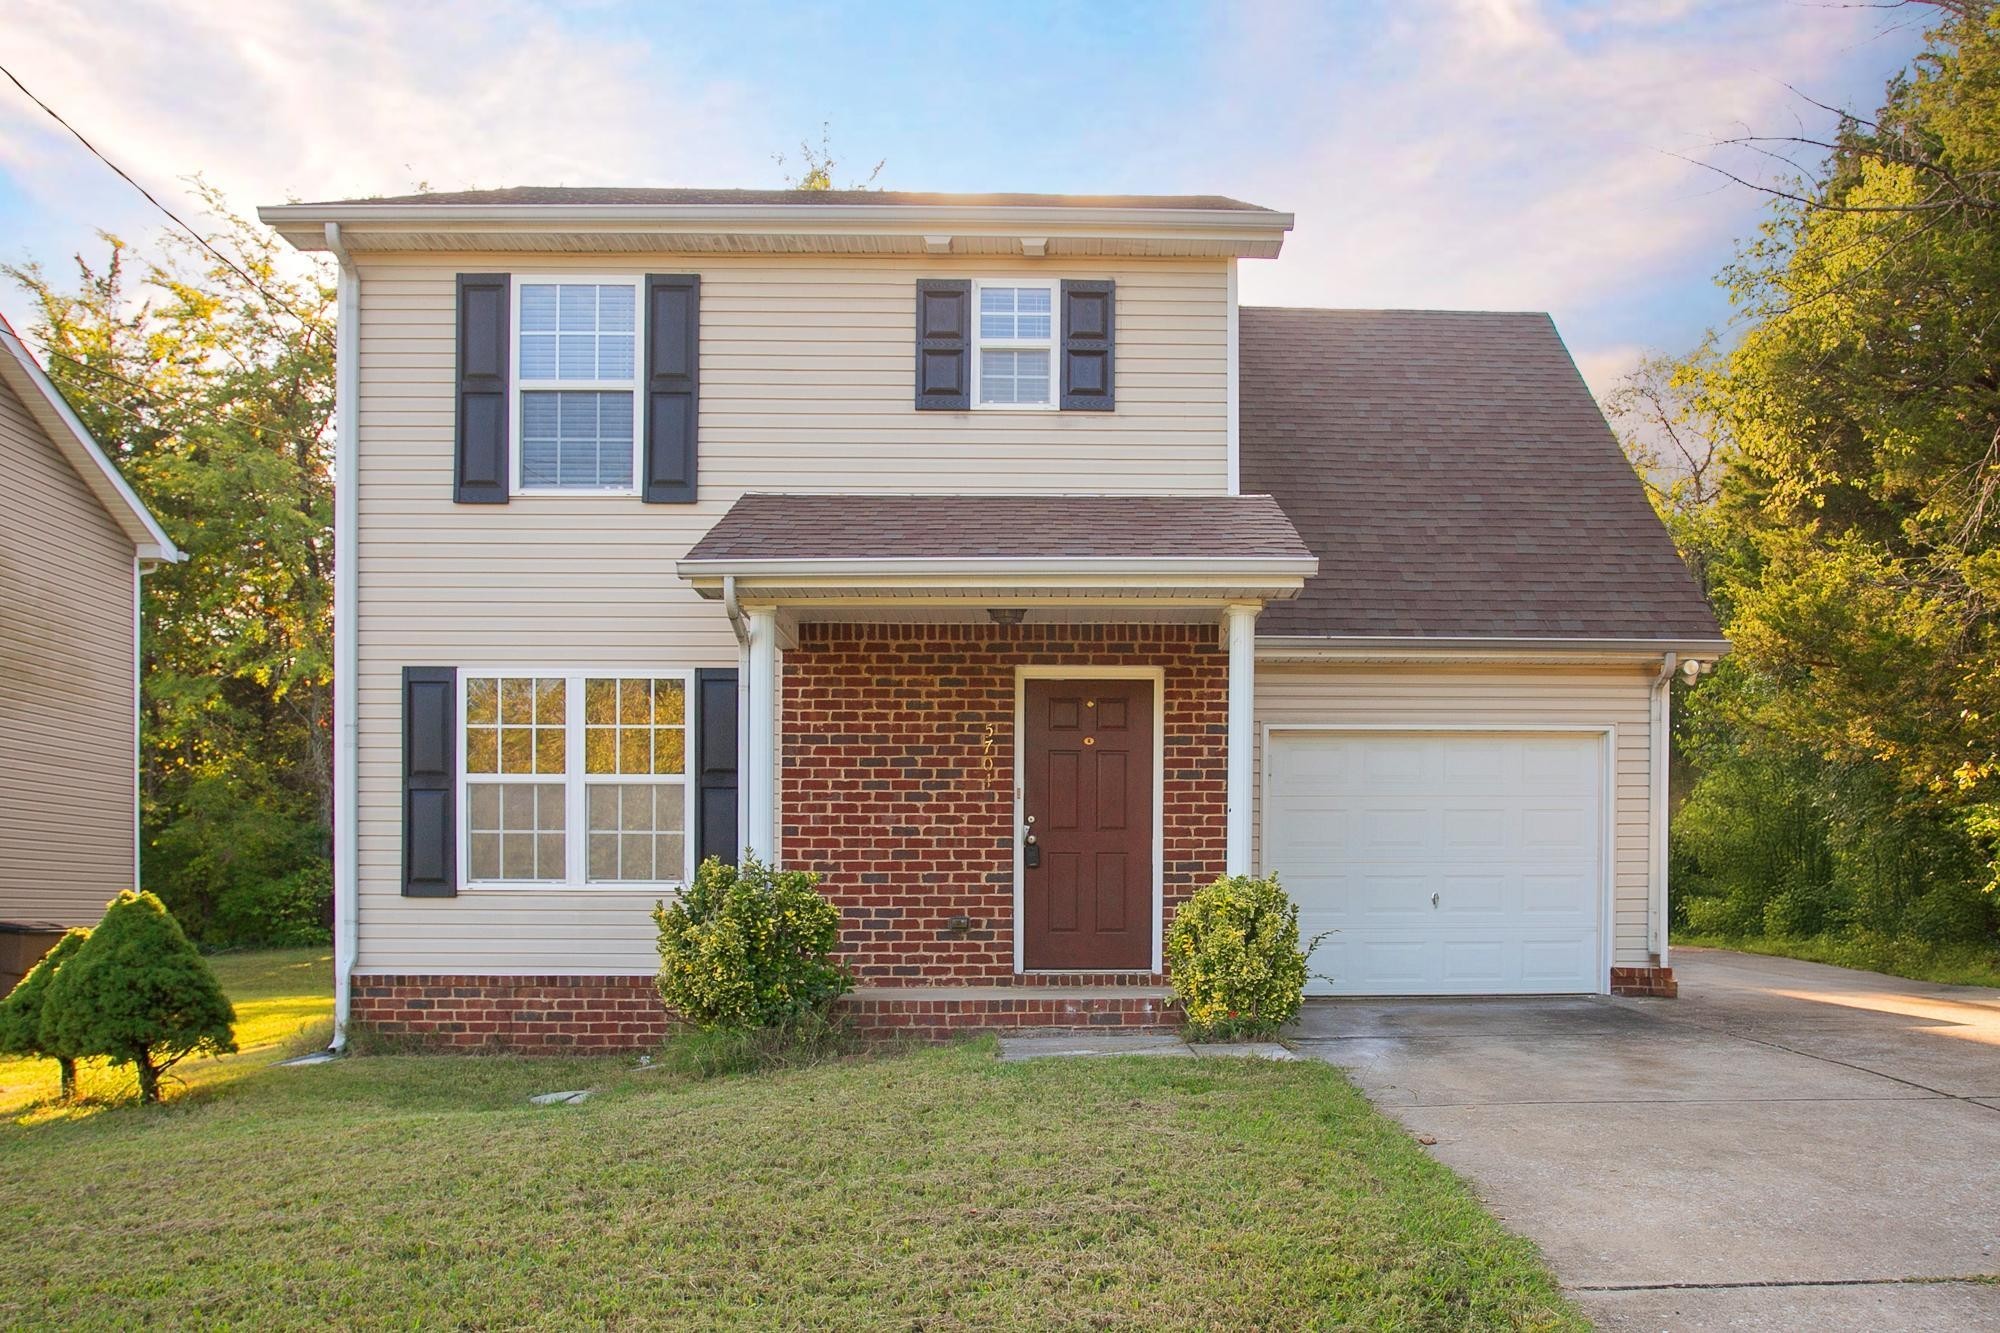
pixel 1461 863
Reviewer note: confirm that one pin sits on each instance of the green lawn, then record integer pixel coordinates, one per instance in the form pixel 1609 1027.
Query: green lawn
pixel 935 1189
pixel 1948 964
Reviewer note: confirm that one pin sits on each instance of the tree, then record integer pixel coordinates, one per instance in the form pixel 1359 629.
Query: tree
pixel 137 991
pixel 21 1012
pixel 819 164
pixel 208 377
pixel 1852 534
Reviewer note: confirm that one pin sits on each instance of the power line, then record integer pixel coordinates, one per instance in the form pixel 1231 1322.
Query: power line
pixel 172 216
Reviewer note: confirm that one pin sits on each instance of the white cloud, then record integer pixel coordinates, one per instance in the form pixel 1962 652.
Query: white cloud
pixel 1512 153
pixel 350 97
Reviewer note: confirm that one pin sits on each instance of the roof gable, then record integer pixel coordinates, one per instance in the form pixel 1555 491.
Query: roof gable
pixel 1456 479
pixel 52 412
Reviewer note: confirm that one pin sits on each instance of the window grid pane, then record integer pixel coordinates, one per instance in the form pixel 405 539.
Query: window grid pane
pixel 1013 376
pixel 515 725
pixel 580 439
pixel 637 831
pixel 578 331
pixel 516 830
pixel 1015 312
pixel 634 725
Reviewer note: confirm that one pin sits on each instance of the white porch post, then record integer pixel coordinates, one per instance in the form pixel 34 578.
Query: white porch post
pixel 1242 632
pixel 760 766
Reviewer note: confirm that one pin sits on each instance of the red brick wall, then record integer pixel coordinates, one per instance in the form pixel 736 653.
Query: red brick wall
pixel 898 770
pixel 1653 982
pixel 535 1015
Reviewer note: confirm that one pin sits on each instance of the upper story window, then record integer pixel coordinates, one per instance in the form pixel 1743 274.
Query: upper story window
pixel 577 385
pixel 1014 355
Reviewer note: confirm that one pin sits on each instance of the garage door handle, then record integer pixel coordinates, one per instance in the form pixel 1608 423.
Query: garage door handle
pixel 1434 902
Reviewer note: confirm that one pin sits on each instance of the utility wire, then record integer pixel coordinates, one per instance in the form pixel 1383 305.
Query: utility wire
pixel 172 216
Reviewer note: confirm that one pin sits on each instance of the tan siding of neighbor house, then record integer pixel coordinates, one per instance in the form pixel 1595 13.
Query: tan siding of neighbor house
pixel 806 385
pixel 67 769
pixel 1526 697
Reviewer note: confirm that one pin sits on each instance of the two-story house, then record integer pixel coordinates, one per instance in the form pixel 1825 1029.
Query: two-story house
pixel 74 542
pixel 982 555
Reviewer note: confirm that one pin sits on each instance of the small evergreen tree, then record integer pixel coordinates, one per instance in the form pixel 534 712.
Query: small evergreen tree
pixel 137 991
pixel 21 1012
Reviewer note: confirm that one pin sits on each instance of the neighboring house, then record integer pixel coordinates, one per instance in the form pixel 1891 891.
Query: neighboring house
pixel 980 554
pixel 74 541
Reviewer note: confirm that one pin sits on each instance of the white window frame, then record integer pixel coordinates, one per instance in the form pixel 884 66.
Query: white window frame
pixel 979 345
pixel 518 385
pixel 576 832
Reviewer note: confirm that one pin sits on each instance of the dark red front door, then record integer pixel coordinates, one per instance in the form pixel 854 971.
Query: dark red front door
pixel 1087 884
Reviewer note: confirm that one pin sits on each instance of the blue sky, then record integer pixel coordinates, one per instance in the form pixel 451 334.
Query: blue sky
pixel 1466 153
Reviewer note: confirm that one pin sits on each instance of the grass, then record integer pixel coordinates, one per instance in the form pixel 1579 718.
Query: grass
pixel 1947 964
pixel 284 1006
pixel 933 1189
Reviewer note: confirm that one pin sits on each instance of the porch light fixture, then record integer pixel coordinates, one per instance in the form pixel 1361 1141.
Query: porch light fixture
pixel 1006 615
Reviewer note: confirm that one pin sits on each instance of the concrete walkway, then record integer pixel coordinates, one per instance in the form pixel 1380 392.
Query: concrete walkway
pixel 1786 1146
pixel 1045 1046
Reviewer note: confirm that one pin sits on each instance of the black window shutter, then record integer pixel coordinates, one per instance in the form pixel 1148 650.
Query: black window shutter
pixel 483 457
pixel 944 344
pixel 1087 345
pixel 672 386
pixel 430 781
pixel 715 764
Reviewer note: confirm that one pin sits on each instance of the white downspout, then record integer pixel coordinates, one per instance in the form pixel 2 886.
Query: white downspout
pixel 1235 390
pixel 1662 720
pixel 734 610
pixel 346 651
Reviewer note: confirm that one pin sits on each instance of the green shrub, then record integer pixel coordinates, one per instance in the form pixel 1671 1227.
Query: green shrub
pixel 1714 915
pixel 21 1012
pixel 1953 912
pixel 802 1043
pixel 285 913
pixel 749 947
pixel 137 991
pixel 1234 958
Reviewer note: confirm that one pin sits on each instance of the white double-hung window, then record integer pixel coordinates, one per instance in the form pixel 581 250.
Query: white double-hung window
pixel 576 384
pixel 575 778
pixel 1014 335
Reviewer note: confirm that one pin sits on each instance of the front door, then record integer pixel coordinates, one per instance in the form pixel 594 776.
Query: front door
pixel 1087 878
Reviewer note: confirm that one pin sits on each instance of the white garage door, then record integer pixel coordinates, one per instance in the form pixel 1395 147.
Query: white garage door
pixel 1458 863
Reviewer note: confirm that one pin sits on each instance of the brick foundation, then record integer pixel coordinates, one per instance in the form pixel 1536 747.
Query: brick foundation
pixel 897 783
pixel 1653 982
pixel 532 1015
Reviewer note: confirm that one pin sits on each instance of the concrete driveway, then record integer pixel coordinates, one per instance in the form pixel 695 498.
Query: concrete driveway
pixel 1785 1146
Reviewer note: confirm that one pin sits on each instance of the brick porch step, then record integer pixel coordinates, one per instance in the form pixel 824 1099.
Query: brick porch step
pixel 931 1013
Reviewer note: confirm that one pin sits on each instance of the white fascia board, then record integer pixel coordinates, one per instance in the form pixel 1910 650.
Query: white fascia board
pixel 793 217
pixel 1099 567
pixel 1308 648
pixel 59 421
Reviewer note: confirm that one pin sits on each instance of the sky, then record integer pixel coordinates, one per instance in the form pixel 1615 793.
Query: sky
pixel 1491 154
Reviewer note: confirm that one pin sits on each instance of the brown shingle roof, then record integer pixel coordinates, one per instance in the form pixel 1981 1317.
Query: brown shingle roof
pixel 988 527
pixel 579 196
pixel 1455 478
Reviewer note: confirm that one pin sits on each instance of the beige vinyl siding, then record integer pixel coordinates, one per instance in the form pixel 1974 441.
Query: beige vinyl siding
pixel 807 370
pixel 67 767
pixel 1379 694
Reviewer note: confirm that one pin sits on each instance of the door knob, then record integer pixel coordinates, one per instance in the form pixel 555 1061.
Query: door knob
pixel 1434 902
